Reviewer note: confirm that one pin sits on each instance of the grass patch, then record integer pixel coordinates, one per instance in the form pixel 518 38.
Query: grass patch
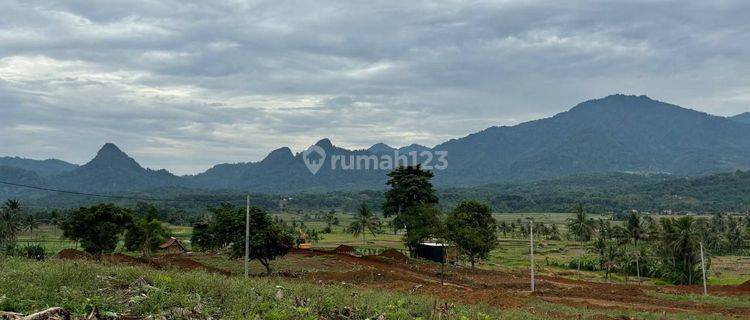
pixel 27 286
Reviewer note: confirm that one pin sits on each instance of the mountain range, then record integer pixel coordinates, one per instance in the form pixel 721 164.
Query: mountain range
pixel 618 133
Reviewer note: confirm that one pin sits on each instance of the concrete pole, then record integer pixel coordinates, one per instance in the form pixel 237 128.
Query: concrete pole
pixel 703 268
pixel 531 228
pixel 247 237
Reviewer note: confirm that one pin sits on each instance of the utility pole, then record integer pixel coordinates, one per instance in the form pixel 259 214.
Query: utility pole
pixel 703 268
pixel 247 237
pixel 531 229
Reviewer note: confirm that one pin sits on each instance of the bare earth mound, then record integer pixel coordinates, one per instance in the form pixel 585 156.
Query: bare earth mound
pixel 73 254
pixel 344 249
pixel 394 254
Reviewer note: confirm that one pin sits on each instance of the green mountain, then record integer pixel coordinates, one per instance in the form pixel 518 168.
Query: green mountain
pixel 45 168
pixel 617 133
pixel 113 170
pixel 744 117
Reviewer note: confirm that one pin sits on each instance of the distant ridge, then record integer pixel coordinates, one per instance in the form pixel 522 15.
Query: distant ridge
pixel 617 133
pixel 47 168
pixel 743 117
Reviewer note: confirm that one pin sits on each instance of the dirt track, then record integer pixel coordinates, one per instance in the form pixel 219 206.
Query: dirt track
pixel 392 271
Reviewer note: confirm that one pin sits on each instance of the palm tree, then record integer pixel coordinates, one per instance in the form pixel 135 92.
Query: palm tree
pixel 365 220
pixel 680 246
pixel 635 230
pixel 582 227
pixel 10 220
pixel 30 223
pixel 608 255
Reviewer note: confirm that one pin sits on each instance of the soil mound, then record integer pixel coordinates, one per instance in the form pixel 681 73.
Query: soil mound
pixel 344 249
pixel 394 254
pixel 745 287
pixel 190 264
pixel 119 258
pixel 73 254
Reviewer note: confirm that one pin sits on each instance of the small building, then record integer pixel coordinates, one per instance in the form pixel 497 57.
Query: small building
pixel 173 246
pixel 436 251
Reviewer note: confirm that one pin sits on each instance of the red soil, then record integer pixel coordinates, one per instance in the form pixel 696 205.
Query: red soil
pixel 502 289
pixel 73 254
pixel 159 262
pixel 394 254
pixel 344 249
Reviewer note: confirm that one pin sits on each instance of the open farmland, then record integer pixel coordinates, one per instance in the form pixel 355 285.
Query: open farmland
pixel 413 289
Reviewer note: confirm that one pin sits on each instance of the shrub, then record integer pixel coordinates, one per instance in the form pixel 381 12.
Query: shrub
pixel 33 251
pixel 588 262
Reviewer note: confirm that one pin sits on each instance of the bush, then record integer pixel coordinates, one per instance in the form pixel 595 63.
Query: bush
pixel 33 251
pixel 588 262
pixel 8 249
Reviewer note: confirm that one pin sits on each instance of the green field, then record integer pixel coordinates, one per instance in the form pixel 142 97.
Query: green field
pixel 512 253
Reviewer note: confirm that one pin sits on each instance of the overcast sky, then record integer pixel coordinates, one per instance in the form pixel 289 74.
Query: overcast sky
pixel 184 87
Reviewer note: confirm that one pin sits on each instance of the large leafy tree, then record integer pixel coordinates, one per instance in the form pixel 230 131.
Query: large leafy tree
pixel 425 222
pixel 410 198
pixel 202 239
pixel 364 221
pixel 226 229
pixel 97 227
pixel 10 221
pixel 268 240
pixel 472 228
pixel 145 234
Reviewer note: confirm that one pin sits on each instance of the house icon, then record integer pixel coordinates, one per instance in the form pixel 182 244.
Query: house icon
pixel 314 157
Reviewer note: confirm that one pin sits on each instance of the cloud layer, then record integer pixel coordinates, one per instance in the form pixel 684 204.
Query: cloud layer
pixel 184 86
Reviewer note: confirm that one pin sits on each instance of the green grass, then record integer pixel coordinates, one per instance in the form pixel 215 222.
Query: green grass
pixel 28 286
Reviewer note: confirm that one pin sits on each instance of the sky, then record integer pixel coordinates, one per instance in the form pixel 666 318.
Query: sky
pixel 186 85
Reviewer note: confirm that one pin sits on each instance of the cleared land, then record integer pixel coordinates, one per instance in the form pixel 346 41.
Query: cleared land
pixel 366 286
pixel 409 289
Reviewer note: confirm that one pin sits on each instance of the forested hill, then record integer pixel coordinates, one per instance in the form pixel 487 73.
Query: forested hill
pixel 618 133
pixel 614 192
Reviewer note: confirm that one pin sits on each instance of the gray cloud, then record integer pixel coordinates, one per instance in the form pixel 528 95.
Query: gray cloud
pixel 184 86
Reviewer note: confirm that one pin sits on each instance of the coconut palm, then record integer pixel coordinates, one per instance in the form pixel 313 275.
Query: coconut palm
pixel 635 230
pixel 680 247
pixel 582 227
pixel 364 221
pixel 10 221
pixel 30 223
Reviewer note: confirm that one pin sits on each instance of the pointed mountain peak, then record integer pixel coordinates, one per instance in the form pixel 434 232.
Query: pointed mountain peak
pixel 111 155
pixel 280 154
pixel 109 148
pixel 324 143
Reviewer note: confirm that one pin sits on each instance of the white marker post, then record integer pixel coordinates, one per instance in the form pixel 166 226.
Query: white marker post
pixel 247 237
pixel 531 229
pixel 703 268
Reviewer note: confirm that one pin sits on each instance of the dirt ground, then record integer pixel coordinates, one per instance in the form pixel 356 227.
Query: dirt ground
pixel 395 272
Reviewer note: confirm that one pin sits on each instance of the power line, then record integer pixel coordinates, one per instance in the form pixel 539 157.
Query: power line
pixel 112 196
